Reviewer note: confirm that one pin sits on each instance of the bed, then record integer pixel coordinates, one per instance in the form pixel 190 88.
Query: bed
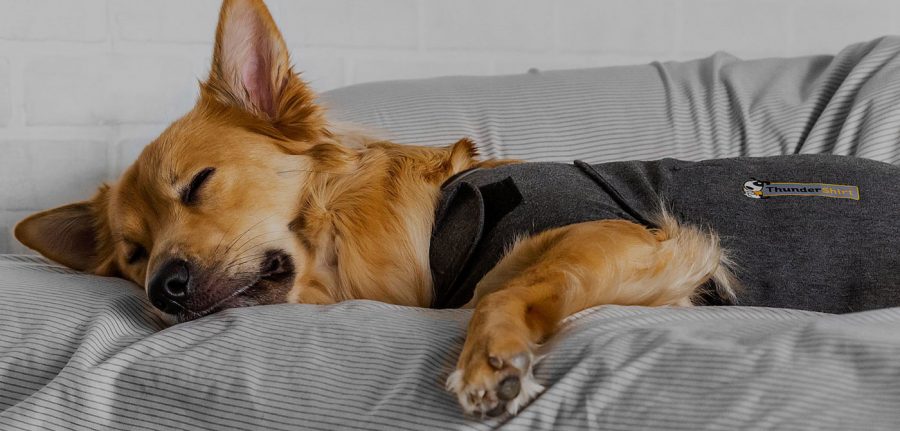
pixel 80 352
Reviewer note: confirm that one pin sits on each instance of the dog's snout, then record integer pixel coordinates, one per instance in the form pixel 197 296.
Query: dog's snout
pixel 171 285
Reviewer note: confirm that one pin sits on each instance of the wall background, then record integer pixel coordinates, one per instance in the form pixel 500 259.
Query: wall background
pixel 85 84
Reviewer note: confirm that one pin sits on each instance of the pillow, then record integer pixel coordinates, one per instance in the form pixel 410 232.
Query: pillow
pixel 716 107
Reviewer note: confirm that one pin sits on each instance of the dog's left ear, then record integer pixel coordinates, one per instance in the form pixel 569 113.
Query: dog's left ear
pixel 75 235
pixel 251 71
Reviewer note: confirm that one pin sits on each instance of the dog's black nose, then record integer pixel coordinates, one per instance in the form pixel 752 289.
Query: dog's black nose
pixel 170 286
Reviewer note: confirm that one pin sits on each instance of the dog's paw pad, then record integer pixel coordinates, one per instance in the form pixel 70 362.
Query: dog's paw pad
pixel 509 388
pixel 496 385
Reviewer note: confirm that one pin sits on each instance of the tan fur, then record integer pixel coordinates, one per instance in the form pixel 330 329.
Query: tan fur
pixel 355 213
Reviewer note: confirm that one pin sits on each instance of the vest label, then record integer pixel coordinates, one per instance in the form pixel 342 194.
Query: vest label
pixel 758 189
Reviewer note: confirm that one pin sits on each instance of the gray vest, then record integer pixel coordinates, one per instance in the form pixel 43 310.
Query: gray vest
pixel 813 232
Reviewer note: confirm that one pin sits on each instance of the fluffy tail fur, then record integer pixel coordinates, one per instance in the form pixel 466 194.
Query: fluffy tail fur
pixel 698 255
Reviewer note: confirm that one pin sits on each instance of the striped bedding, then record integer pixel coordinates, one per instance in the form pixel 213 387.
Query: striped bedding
pixel 83 352
pixel 79 352
pixel 847 104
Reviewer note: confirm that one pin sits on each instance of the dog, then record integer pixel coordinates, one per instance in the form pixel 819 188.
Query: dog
pixel 253 197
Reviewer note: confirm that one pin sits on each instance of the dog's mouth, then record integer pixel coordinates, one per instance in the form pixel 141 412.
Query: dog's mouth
pixel 270 285
pixel 234 300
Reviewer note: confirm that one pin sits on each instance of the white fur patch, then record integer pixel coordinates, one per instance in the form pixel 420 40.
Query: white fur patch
pixel 530 388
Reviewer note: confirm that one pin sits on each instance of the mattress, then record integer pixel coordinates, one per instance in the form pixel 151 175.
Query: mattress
pixel 87 353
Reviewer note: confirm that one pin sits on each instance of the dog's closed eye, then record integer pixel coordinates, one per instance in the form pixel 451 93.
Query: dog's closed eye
pixel 136 253
pixel 189 194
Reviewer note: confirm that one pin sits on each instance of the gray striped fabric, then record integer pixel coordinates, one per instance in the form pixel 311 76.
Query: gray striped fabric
pixel 82 353
pixel 86 353
pixel 720 106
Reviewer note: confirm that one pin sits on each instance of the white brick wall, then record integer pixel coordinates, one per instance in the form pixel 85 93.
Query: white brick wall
pixel 42 20
pixel 85 84
pixel 627 27
pixel 390 24
pixel 164 21
pixel 64 167
pixel 5 99
pixel 755 28
pixel 109 89
pixel 494 25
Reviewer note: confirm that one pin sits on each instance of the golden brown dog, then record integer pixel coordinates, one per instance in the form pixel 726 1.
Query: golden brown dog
pixel 254 198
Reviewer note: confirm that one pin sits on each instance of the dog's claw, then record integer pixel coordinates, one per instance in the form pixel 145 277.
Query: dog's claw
pixel 508 388
pixel 495 362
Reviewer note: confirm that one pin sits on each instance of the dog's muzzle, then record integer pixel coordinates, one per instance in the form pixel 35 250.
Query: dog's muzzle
pixel 182 288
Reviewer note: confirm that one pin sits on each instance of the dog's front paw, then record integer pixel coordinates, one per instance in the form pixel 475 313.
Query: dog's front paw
pixel 492 378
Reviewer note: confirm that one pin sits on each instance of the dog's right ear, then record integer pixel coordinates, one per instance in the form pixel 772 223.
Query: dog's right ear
pixel 69 234
pixel 251 71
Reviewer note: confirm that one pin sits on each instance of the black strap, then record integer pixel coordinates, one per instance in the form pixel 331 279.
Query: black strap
pixel 458 227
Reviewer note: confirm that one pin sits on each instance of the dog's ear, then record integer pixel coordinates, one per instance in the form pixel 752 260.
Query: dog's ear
pixel 251 71
pixel 70 235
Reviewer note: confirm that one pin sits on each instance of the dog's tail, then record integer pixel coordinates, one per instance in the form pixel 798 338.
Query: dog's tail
pixel 699 255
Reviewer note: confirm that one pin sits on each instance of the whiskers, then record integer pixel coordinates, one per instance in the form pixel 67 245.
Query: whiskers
pixel 245 251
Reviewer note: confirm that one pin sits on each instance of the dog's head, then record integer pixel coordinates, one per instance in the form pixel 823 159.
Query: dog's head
pixel 203 218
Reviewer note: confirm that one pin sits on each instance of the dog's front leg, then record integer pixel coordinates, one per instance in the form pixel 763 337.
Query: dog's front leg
pixel 556 273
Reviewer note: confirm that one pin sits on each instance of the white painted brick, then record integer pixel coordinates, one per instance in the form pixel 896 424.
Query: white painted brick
pixel 166 20
pixel 128 152
pixel 100 90
pixel 390 69
pixel 356 23
pixel 82 20
pixel 5 96
pixel 745 28
pixel 826 26
pixel 127 143
pixel 322 72
pixel 617 26
pixel 43 174
pixel 488 24
pixel 8 243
